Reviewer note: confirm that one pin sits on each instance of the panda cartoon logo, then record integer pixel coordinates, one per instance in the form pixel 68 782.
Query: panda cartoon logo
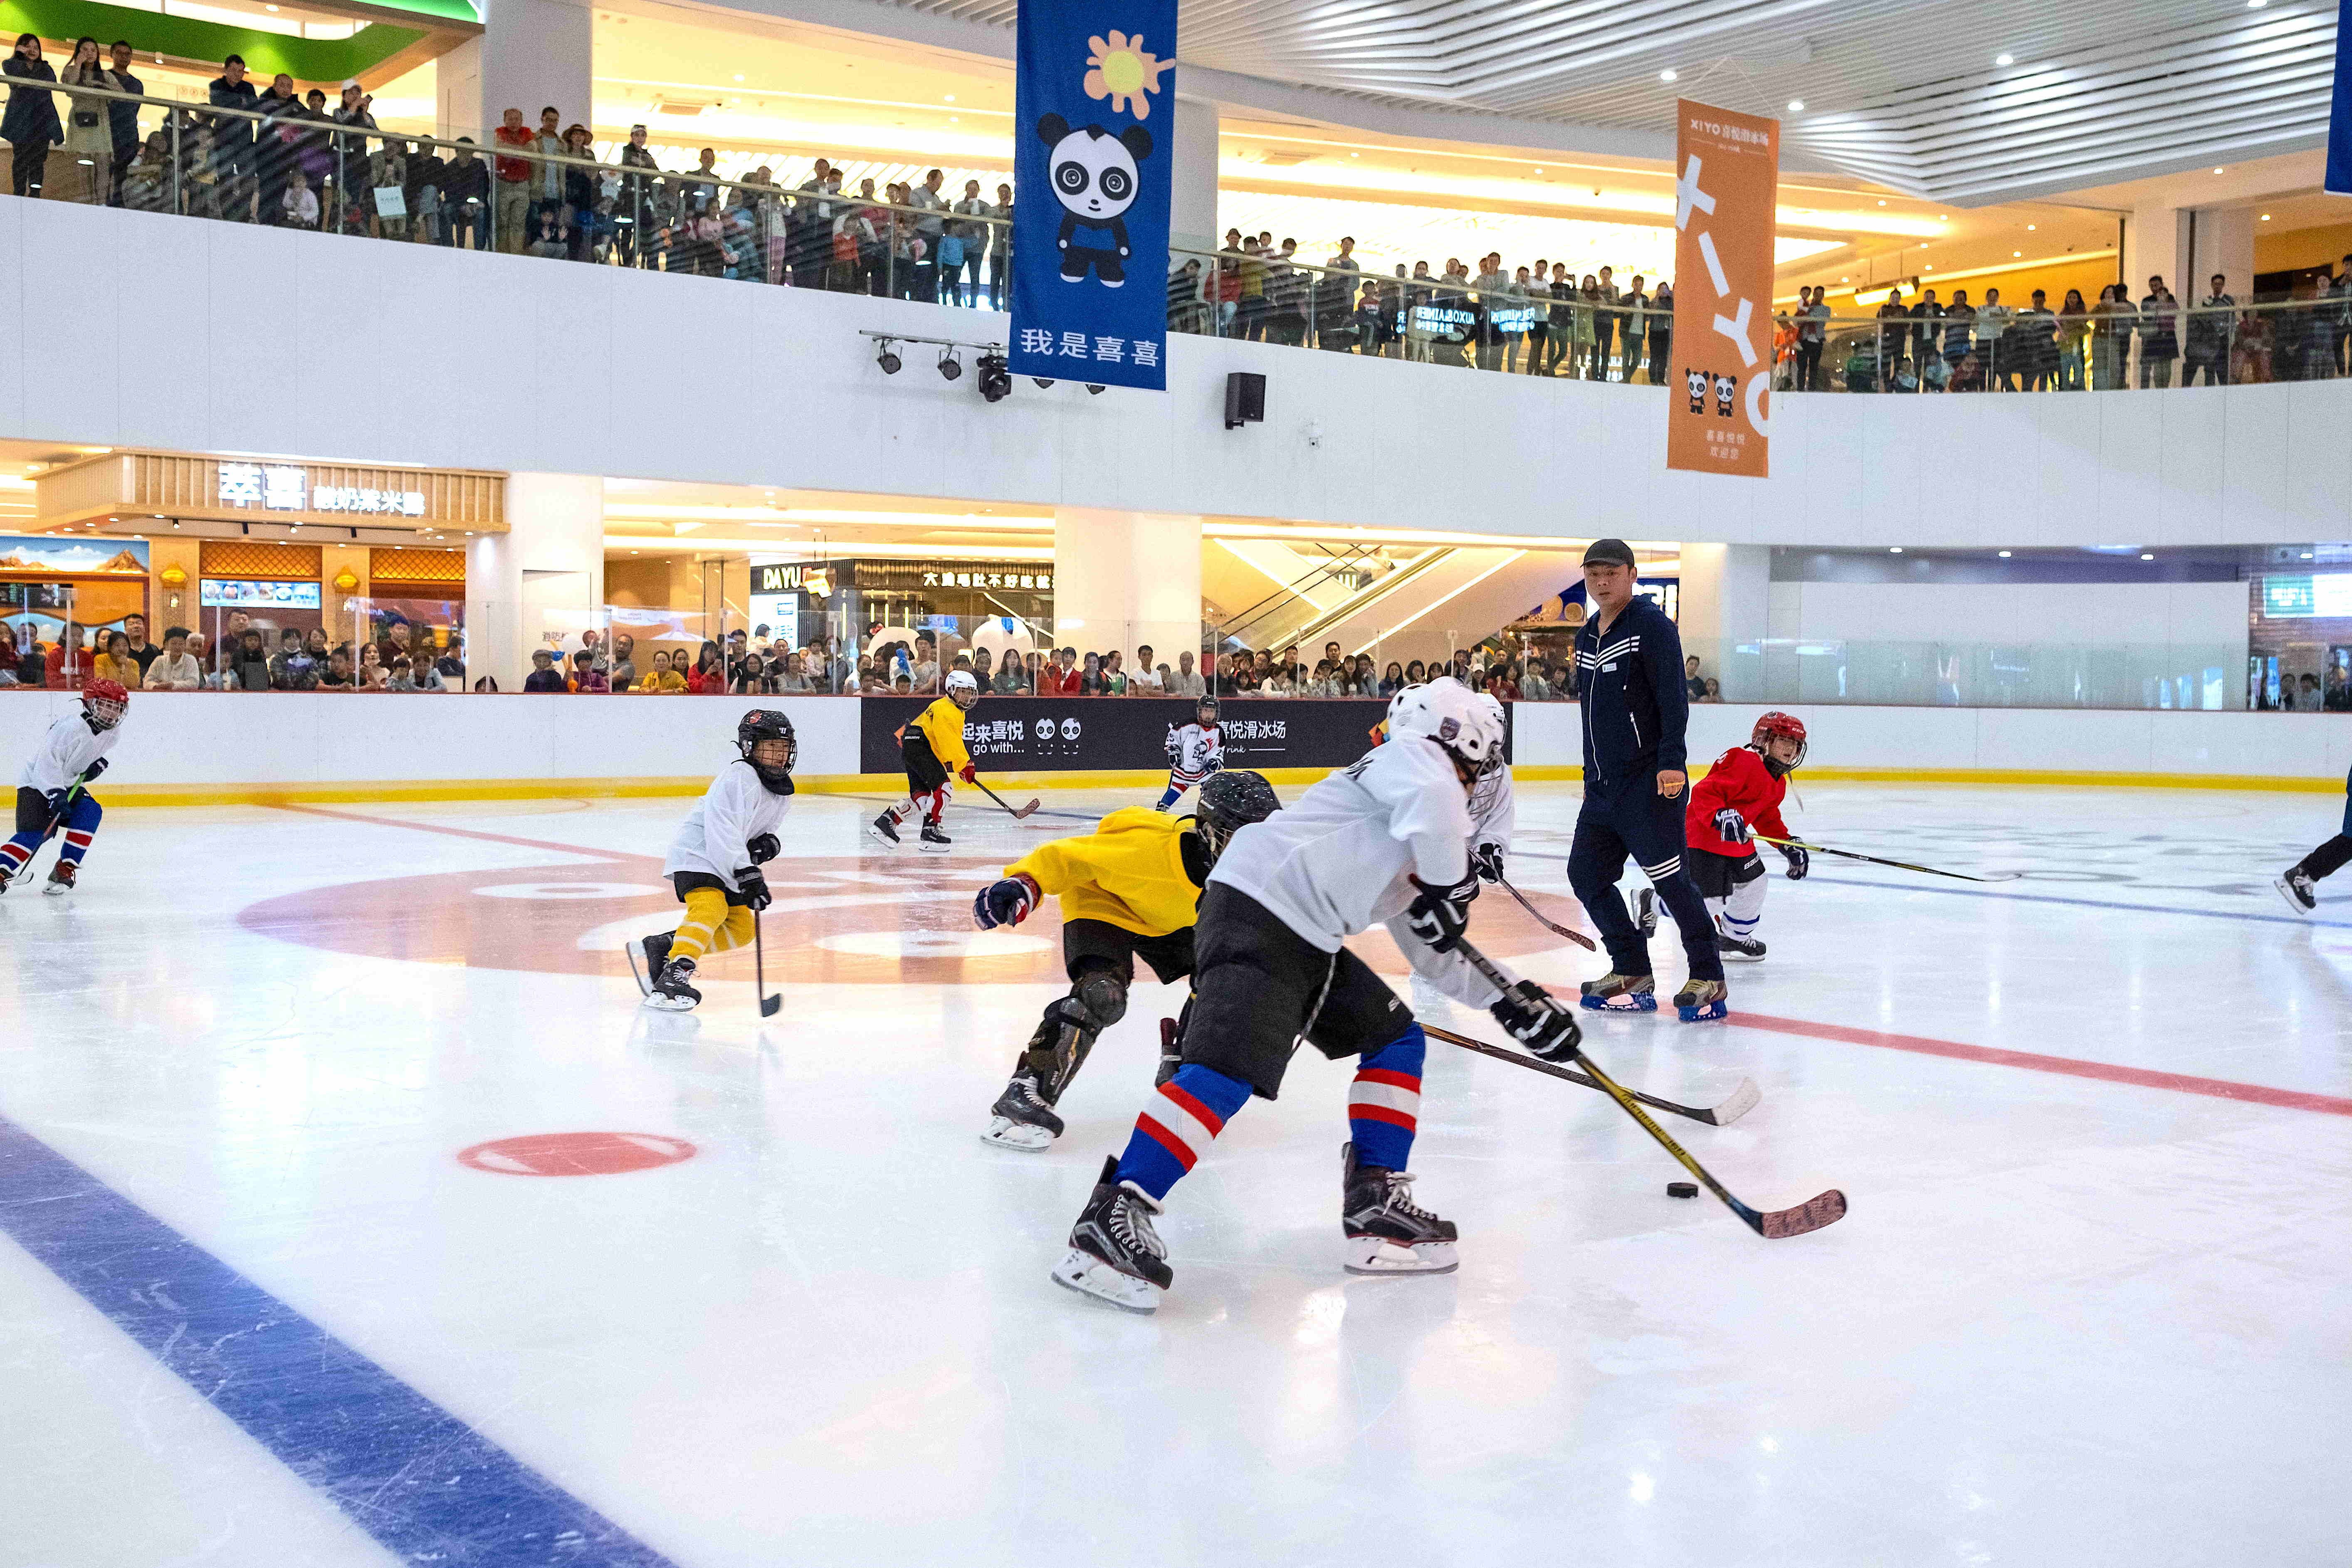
pixel 1726 388
pixel 1093 175
pixel 1695 382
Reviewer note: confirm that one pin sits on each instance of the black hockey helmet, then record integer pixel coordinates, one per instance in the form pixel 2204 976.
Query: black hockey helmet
pixel 767 724
pixel 1230 801
pixel 1204 707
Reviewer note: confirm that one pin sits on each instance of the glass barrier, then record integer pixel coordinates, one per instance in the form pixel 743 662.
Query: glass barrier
pixel 291 161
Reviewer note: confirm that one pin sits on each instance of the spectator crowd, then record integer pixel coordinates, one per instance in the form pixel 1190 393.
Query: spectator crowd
pixel 402 656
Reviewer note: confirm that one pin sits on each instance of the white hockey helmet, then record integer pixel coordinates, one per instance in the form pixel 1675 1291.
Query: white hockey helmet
pixel 1457 718
pixel 963 687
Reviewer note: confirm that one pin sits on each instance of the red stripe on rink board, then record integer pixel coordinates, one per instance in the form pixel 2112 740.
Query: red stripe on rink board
pixel 2102 1072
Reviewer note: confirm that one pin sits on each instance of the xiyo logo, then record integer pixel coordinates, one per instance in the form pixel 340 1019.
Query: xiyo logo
pixel 1044 729
pixel 1069 729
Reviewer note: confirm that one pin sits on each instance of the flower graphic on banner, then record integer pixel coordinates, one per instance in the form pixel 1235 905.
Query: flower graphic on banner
pixel 1121 71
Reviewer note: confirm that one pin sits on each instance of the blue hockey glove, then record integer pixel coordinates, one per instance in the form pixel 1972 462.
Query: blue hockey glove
pixel 1005 902
pixel 1731 824
pixel 761 846
pixel 1441 916
pixel 57 799
pixel 1487 860
pixel 1537 1020
pixel 1798 861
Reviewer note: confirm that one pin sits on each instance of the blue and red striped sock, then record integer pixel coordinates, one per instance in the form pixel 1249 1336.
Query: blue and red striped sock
pixel 1384 1103
pixel 1177 1126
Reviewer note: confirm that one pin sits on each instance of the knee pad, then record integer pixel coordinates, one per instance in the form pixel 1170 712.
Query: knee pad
pixel 1103 994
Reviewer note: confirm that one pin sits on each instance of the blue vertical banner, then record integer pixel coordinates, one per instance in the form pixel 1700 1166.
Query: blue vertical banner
pixel 2339 113
pixel 1093 105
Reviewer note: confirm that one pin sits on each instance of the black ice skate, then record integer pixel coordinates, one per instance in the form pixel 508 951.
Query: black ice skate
pixel 935 841
pixel 1702 1001
pixel 884 828
pixel 1738 949
pixel 61 879
pixel 2297 888
pixel 1387 1231
pixel 1614 992
pixel 1114 1254
pixel 674 989
pixel 655 949
pixel 1171 1053
pixel 1022 1118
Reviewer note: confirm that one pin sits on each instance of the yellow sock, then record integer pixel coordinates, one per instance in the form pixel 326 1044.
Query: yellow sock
pixel 706 913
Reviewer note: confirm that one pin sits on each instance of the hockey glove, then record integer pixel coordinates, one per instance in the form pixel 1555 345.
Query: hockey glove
pixel 97 766
pixel 1535 1018
pixel 1440 916
pixel 1731 824
pixel 762 848
pixel 1007 902
pixel 1487 860
pixel 753 887
pixel 968 773
pixel 57 799
pixel 1800 862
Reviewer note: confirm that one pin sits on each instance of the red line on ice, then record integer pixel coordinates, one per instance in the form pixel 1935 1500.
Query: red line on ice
pixel 452 832
pixel 2104 1072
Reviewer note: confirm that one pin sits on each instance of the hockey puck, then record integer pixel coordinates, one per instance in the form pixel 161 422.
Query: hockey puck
pixel 1682 1189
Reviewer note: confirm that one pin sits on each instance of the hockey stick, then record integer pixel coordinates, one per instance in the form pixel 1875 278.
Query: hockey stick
pixel 1898 865
pixel 1826 1209
pixel 1743 1100
pixel 1577 937
pixel 1017 814
pixel 768 1004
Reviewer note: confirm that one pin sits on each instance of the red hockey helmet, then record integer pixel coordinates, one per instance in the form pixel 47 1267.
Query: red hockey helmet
pixel 1786 725
pixel 103 701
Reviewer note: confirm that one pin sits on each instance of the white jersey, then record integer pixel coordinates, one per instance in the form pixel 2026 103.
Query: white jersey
pixel 1195 751
pixel 1493 811
pixel 1494 816
pixel 70 748
pixel 735 809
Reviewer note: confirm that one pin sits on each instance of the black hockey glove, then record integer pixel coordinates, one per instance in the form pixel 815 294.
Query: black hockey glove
pixel 1441 916
pixel 1798 861
pixel 57 801
pixel 753 887
pixel 97 766
pixel 1005 902
pixel 1486 862
pixel 1537 1019
pixel 762 848
pixel 1731 824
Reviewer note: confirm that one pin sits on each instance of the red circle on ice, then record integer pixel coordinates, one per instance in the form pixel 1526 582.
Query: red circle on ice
pixel 575 1153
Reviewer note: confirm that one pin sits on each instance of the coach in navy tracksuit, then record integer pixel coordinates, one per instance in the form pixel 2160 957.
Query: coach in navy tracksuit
pixel 1629 666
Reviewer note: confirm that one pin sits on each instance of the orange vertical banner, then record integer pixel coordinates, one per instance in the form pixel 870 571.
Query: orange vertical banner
pixel 1726 188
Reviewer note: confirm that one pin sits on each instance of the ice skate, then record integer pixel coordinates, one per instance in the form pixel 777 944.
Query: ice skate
pixel 655 952
pixel 1171 1053
pixel 935 841
pixel 884 829
pixel 673 989
pixel 1387 1233
pixel 1614 992
pixel 1020 1117
pixel 61 879
pixel 1114 1254
pixel 2297 888
pixel 1738 949
pixel 5 876
pixel 1702 1001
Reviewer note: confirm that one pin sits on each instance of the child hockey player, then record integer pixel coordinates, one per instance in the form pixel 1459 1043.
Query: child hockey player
pixel 1194 752
pixel 2298 884
pixel 1385 840
pixel 714 862
pixel 1128 891
pixel 53 786
pixel 1743 791
pixel 934 751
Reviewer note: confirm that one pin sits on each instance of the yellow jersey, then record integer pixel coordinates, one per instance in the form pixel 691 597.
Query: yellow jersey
pixel 941 724
pixel 1130 872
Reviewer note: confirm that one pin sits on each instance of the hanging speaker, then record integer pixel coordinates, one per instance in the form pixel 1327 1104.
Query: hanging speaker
pixel 1245 398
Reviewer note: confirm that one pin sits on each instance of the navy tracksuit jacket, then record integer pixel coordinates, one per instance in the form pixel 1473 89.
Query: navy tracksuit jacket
pixel 1634 712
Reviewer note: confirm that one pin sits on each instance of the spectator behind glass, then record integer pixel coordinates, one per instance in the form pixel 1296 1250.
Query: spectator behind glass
pixel 369 674
pixel 660 679
pixel 1090 678
pixel 245 667
pixel 337 677
pixel 708 676
pixel 8 655
pixel 114 662
pixel 586 676
pixel 402 678
pixel 543 676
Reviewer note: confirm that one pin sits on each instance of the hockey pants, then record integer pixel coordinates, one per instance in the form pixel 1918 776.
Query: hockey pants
pixel 711 925
pixel 33 826
pixel 1733 890
pixel 1635 820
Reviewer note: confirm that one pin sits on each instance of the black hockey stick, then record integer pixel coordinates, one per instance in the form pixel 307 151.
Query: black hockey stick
pixel 1828 1209
pixel 768 1004
pixel 1016 813
pixel 1577 937
pixel 1743 1100
pixel 1898 865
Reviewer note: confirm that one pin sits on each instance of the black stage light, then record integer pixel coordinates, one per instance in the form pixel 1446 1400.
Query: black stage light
pixel 995 381
pixel 950 367
pixel 885 359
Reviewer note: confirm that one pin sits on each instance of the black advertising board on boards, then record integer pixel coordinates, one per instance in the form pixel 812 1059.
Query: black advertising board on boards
pixel 1051 734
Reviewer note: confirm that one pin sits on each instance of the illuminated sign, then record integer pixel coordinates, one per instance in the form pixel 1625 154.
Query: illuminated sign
pixel 236 593
pixel 2300 598
pixel 273 487
pixel 1030 581
pixel 372 502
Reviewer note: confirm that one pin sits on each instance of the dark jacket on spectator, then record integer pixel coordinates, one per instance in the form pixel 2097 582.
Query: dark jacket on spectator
pixel 466 181
pixel 229 130
pixel 32 114
pixel 247 671
pixel 123 119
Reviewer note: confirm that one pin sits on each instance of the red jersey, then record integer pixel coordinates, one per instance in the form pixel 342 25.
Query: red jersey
pixel 1739 780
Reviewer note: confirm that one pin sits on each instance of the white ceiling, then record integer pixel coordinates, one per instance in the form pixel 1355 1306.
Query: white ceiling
pixel 1900 92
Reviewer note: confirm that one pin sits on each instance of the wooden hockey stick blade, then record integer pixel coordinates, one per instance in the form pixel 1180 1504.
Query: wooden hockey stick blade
pixel 1016 814
pixel 1809 1216
pixel 1577 937
pixel 1743 1100
pixel 1898 865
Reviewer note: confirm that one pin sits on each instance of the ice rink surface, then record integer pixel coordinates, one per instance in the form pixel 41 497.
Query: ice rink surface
pixel 255 1310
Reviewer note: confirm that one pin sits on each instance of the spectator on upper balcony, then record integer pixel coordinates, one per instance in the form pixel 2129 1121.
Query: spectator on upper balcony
pixel 2159 335
pixel 354 202
pixel 298 205
pixel 1993 319
pixel 122 118
pixel 512 216
pixel 85 174
pixel 931 228
pixel 2111 333
pixel 421 193
pixel 30 126
pixel 276 143
pixel 147 184
pixel 233 139
pixel 2211 328
pixel 1633 326
pixel 546 173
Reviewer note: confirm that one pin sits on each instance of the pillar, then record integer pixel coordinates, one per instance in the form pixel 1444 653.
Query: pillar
pixel 1726 595
pixel 531 53
pixel 542 582
pixel 2185 246
pixel 1193 176
pixel 334 560
pixel 1122 579
pixel 171 604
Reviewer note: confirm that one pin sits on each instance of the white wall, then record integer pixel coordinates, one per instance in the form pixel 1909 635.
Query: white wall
pixel 2199 616
pixel 509 363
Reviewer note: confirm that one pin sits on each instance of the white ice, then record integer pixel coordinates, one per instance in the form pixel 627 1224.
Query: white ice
pixel 2069 1320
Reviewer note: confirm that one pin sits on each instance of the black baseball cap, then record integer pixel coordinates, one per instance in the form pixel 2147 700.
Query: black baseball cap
pixel 1609 552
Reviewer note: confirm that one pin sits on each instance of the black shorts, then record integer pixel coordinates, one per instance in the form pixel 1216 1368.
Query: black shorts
pixel 925 772
pixel 687 881
pixel 1718 875
pixel 34 815
pixel 1259 985
pixel 1100 944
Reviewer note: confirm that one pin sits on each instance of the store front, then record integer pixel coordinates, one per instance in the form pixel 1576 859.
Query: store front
pixel 997 604
pixel 53 589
